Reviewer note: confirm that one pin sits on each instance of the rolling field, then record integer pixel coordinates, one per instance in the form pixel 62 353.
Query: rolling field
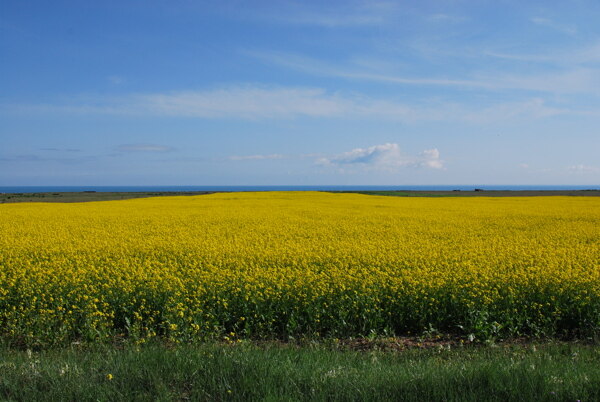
pixel 287 265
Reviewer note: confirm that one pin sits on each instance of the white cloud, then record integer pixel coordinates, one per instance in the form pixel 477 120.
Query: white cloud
pixel 143 148
pixel 431 158
pixel 256 157
pixel 386 157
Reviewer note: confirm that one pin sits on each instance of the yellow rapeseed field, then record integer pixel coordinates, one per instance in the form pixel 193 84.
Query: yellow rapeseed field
pixel 280 264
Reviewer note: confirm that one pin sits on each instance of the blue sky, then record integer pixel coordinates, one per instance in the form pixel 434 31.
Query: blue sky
pixel 280 92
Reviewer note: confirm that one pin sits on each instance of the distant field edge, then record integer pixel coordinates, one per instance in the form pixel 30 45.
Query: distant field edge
pixel 90 196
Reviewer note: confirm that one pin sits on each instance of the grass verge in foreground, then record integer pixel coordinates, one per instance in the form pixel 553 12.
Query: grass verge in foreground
pixel 552 372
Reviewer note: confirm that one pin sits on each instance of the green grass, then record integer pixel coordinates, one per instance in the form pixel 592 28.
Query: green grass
pixel 551 372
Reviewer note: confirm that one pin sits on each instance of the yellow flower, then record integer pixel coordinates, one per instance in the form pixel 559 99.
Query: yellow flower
pixel 240 263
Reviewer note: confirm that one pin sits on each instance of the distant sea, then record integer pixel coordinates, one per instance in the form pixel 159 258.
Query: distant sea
pixel 60 189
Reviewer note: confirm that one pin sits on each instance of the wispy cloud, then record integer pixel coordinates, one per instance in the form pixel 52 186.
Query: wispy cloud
pixel 572 80
pixel 546 22
pixel 22 158
pixel 255 157
pixel 352 14
pixel 54 158
pixel 384 157
pixel 332 21
pixel 566 60
pixel 244 102
pixel 143 148
pixel 573 56
pixel 116 79
pixel 441 17
pixel 583 169
pixel 256 103
pixel 235 102
pixel 60 149
pixel 530 108
pixel 317 67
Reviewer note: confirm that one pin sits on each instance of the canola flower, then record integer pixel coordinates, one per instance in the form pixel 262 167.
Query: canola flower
pixel 281 264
